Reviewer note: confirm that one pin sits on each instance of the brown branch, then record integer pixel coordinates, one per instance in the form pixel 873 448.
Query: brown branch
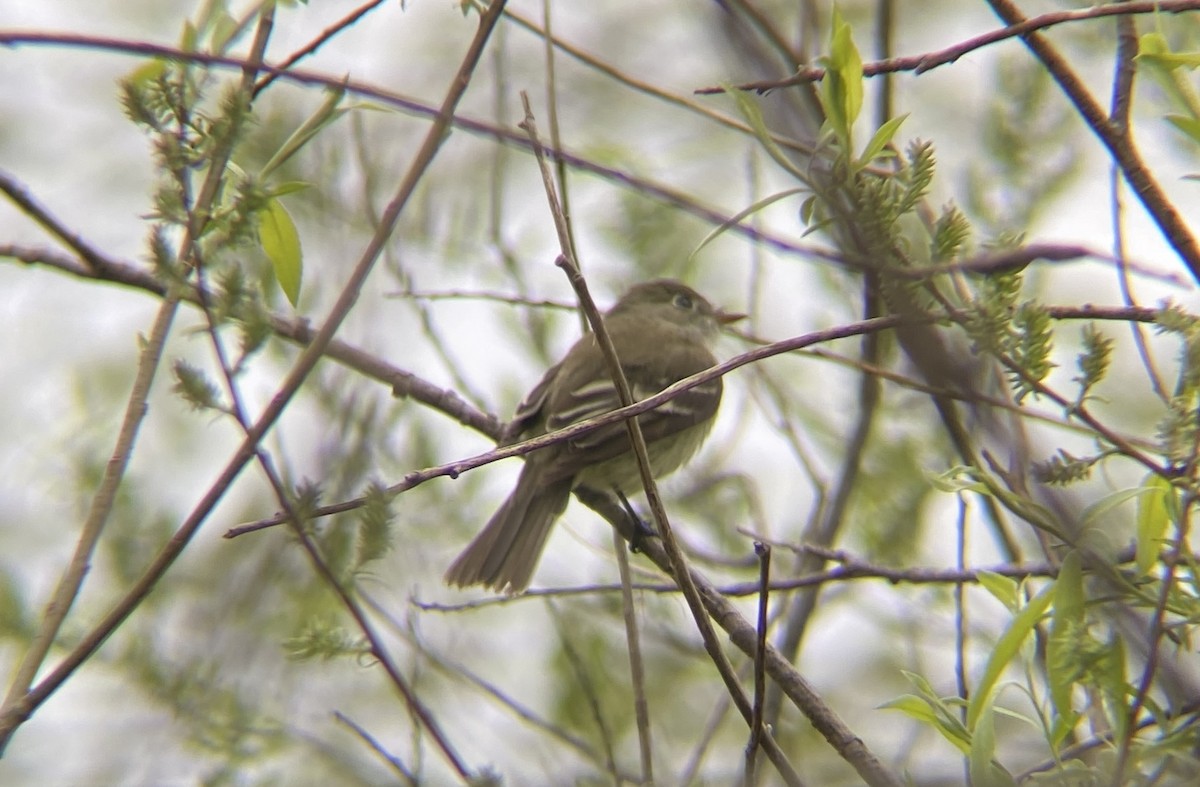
pixel 931 60
pixel 1119 143
pixel 295 329
pixel 349 20
pixel 458 467
pixel 658 191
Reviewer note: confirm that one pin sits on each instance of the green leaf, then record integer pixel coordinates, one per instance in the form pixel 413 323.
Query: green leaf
pixel 985 771
pixel 1005 651
pixel 735 219
pixel 147 73
pixel 1067 628
pixel 289 187
pixel 1107 503
pixel 1169 61
pixel 1187 125
pixel 927 707
pixel 841 89
pixel 913 706
pixel 281 243
pixel 880 140
pixel 1005 589
pixel 325 115
pixel 187 39
pixel 1153 518
pixel 1110 675
pixel 224 28
pixel 752 113
pixel 959 479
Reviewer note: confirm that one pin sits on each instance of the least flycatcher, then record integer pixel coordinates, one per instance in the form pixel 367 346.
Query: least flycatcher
pixel 661 331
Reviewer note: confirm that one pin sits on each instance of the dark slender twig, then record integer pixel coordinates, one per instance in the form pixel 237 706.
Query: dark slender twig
pixel 349 20
pixel 960 613
pixel 405 775
pixel 457 468
pixel 1125 69
pixel 763 552
pixel 931 60
pixel 652 90
pixel 637 664
pixel 658 191
pixel 588 688
pixel 1119 143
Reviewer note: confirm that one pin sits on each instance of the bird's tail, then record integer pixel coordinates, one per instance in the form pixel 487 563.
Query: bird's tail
pixel 505 553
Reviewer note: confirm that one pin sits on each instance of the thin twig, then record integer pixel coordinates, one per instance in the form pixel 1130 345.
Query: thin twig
pixel 1119 143
pixel 637 664
pixel 655 190
pixel 349 20
pixel 763 552
pixel 406 776
pixel 931 60
pixel 457 468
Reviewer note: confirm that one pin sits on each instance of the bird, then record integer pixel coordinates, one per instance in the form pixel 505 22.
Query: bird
pixel 662 331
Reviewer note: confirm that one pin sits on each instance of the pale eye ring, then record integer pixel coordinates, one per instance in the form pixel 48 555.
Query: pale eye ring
pixel 684 301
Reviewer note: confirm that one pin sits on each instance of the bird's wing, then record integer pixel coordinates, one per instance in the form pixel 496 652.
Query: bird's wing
pixel 599 395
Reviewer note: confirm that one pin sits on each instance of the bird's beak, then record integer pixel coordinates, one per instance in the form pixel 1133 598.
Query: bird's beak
pixel 725 318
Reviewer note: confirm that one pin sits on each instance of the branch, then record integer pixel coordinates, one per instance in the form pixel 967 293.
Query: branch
pixel 919 64
pixel 1118 141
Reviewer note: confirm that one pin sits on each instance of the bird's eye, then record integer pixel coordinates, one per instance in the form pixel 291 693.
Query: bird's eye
pixel 683 301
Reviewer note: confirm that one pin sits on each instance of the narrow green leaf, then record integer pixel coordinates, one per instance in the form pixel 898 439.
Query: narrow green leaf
pixel 1153 518
pixel 325 115
pixel 912 706
pixel 928 708
pixel 752 113
pixel 1114 685
pixel 841 89
pixel 289 187
pixel 1170 60
pixel 1111 501
pixel 1067 627
pixel 959 479
pixel 1004 589
pixel 187 39
pixel 281 243
pixel 735 219
pixel 985 771
pixel 1005 651
pixel 880 140
pixel 1189 126
pixel 224 29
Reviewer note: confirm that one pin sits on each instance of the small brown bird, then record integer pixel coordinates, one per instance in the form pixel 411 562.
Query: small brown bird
pixel 661 331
